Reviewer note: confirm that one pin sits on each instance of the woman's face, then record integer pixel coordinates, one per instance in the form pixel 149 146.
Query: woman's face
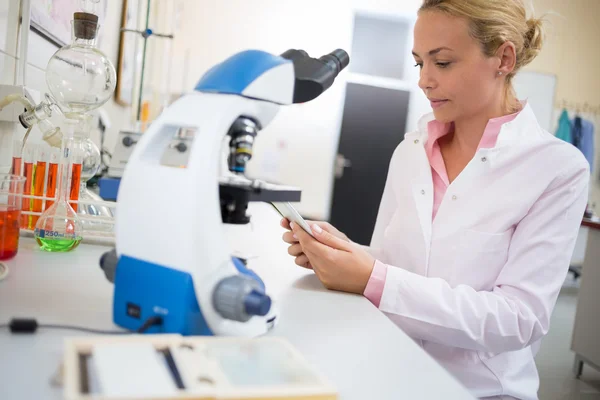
pixel 456 76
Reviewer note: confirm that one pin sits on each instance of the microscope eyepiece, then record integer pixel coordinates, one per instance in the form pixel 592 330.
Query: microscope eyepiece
pixel 315 75
pixel 293 54
pixel 338 59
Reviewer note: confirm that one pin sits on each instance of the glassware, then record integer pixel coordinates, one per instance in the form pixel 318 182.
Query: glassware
pixel 75 181
pixel 27 202
pixel 40 116
pixel 89 153
pixel 52 177
pixel 59 228
pixel 80 77
pixel 39 179
pixel 91 159
pixel 17 158
pixel 11 190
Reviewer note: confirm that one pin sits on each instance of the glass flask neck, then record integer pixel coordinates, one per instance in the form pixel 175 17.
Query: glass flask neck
pixel 63 177
pixel 84 42
pixel 84 34
pixel 66 159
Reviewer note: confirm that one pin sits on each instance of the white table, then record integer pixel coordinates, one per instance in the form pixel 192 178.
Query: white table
pixel 344 336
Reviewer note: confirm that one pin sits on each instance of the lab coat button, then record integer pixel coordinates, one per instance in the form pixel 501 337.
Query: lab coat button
pixel 483 159
pixel 416 141
pixel 422 191
pixel 454 197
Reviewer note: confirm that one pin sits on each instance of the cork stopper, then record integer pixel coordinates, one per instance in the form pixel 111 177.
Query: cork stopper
pixel 85 25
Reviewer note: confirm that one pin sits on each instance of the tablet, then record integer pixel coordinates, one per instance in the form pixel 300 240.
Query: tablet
pixel 288 211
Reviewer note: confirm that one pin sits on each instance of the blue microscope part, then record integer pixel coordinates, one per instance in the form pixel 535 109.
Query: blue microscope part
pixel 235 74
pixel 242 269
pixel 109 187
pixel 144 290
pixel 257 303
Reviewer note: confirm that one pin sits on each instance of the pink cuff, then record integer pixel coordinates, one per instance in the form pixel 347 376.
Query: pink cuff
pixel 374 289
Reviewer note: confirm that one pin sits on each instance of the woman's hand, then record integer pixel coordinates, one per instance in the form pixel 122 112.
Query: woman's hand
pixel 295 248
pixel 338 263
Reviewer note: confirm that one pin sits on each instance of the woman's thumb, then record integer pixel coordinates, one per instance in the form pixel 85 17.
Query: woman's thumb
pixel 328 239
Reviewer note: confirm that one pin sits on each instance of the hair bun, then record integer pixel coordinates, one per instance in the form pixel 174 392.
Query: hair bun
pixel 534 38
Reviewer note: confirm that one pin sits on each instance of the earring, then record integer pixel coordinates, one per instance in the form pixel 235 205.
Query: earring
pixel 499 72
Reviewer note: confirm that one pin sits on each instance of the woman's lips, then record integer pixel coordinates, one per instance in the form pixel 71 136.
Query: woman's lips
pixel 437 103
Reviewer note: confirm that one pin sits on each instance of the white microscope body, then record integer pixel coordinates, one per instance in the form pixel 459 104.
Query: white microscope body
pixel 172 258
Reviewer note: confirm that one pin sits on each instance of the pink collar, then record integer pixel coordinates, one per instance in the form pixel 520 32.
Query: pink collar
pixel 436 129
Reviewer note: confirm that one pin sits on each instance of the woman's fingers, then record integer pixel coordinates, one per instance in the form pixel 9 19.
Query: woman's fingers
pixel 285 224
pixel 288 237
pixel 303 261
pixel 295 250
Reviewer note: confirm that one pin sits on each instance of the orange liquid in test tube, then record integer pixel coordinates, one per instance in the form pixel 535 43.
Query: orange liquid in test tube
pixel 16 165
pixel 38 190
pixel 17 160
pixel 52 177
pixel 51 185
pixel 75 185
pixel 27 202
pixel 16 170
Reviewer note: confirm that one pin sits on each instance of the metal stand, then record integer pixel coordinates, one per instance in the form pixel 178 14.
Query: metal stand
pixel 579 363
pixel 577 367
pixel 146 33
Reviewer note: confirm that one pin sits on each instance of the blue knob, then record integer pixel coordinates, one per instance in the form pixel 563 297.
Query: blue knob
pixel 257 303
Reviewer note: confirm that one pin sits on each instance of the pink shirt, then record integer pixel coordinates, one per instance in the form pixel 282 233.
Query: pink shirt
pixel 436 130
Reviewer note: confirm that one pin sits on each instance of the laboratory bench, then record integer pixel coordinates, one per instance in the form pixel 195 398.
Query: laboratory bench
pixel 347 339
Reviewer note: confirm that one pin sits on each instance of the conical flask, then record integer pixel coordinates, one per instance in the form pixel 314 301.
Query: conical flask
pixel 59 228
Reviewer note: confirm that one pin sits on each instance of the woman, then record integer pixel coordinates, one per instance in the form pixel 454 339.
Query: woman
pixel 480 211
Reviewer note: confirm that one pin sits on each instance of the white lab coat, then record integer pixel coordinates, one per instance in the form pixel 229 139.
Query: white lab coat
pixel 476 287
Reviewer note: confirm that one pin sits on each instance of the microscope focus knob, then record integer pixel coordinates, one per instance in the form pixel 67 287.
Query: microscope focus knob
pixel 181 147
pixel 239 298
pixel 108 263
pixel 257 303
pixel 128 141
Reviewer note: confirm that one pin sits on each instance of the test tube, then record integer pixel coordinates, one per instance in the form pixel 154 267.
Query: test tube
pixel 39 178
pixel 54 159
pixel 76 176
pixel 17 164
pixel 27 190
pixel 17 158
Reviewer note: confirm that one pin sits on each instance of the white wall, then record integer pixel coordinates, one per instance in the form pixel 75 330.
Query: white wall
pixel 300 145
pixel 8 42
pixel 39 52
pixel 8 61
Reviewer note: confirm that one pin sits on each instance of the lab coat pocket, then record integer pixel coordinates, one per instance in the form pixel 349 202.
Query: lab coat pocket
pixel 480 257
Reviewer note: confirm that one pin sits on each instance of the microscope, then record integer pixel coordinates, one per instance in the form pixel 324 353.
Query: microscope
pixel 172 269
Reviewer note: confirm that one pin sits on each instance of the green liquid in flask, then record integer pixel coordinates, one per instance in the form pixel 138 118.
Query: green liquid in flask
pixel 59 228
pixel 58 245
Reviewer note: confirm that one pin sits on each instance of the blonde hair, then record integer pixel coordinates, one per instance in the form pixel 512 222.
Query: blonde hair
pixel 493 22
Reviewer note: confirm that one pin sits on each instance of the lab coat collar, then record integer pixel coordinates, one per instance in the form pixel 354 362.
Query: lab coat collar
pixel 522 128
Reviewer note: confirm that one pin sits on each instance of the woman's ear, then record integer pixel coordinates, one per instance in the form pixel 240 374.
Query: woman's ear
pixel 507 54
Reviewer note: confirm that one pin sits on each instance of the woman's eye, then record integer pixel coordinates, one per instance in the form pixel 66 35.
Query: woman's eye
pixel 442 64
pixel 420 65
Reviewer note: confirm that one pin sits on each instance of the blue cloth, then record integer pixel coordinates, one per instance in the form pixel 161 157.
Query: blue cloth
pixel 564 128
pixel 583 138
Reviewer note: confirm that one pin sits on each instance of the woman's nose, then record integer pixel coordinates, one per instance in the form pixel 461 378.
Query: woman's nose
pixel 426 80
